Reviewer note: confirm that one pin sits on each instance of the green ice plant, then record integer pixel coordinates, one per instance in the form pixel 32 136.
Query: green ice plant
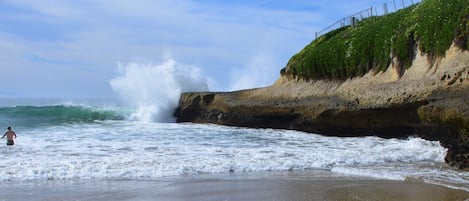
pixel 432 26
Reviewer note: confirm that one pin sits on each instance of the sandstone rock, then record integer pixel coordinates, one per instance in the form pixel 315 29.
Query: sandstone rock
pixel 430 100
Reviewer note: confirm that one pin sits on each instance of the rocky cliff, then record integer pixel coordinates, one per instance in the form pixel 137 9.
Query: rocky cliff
pixel 430 100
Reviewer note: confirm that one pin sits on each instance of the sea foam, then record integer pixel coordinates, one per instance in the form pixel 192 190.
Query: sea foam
pixel 153 90
pixel 132 149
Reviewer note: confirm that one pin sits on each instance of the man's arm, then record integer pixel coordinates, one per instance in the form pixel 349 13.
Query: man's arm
pixel 4 135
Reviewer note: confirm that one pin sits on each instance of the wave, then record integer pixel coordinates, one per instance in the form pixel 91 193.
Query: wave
pixel 159 150
pixel 154 89
pixel 56 114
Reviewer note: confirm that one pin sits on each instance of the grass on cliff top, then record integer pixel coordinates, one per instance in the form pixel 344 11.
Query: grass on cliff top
pixel 432 26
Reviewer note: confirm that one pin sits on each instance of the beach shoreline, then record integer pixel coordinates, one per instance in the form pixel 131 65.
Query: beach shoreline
pixel 276 185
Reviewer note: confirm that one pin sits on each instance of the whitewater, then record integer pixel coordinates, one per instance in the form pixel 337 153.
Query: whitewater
pixel 104 149
pixel 133 138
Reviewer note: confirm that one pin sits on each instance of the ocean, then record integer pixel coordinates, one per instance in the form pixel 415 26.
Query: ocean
pixel 77 141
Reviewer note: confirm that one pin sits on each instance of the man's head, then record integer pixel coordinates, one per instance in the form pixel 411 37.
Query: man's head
pixel 9 128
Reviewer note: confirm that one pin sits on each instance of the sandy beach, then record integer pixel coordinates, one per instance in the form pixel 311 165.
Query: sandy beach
pixel 293 185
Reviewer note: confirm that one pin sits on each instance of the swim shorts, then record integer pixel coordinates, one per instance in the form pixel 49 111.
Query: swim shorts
pixel 10 142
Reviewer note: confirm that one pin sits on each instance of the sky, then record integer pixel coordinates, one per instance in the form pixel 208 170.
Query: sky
pixel 73 48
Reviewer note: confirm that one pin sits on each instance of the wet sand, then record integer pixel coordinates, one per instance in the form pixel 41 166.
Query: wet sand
pixel 302 185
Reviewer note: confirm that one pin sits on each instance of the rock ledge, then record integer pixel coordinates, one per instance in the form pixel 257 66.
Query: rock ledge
pixel 429 100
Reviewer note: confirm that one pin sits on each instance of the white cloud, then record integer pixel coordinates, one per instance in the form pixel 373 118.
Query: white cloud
pixel 259 72
pixel 89 37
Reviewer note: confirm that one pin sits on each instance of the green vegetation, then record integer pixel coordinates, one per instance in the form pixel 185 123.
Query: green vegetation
pixel 432 26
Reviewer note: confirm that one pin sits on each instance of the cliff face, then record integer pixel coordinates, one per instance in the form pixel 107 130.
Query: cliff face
pixel 429 100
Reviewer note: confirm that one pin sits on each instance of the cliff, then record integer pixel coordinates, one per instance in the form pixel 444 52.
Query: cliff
pixel 429 101
pixel 420 92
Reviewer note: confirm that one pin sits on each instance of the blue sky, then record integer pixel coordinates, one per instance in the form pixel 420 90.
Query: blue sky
pixel 73 48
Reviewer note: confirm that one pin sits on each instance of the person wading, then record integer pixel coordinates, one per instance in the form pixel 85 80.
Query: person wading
pixel 10 134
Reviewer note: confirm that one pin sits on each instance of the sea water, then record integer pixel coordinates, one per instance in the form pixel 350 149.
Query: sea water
pixel 82 139
pixel 78 142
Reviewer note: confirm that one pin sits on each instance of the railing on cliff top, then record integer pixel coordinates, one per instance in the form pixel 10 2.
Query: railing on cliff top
pixel 351 20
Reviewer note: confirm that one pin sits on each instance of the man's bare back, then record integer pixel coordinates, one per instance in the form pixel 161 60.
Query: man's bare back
pixel 10 136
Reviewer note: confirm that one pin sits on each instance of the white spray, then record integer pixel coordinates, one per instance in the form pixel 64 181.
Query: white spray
pixel 154 90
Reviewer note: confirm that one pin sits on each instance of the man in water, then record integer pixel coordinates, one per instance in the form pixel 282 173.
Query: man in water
pixel 10 134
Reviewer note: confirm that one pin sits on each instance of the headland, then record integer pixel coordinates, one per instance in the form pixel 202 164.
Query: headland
pixel 342 85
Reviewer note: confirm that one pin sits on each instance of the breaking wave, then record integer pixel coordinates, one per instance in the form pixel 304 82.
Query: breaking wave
pixel 56 114
pixel 153 90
